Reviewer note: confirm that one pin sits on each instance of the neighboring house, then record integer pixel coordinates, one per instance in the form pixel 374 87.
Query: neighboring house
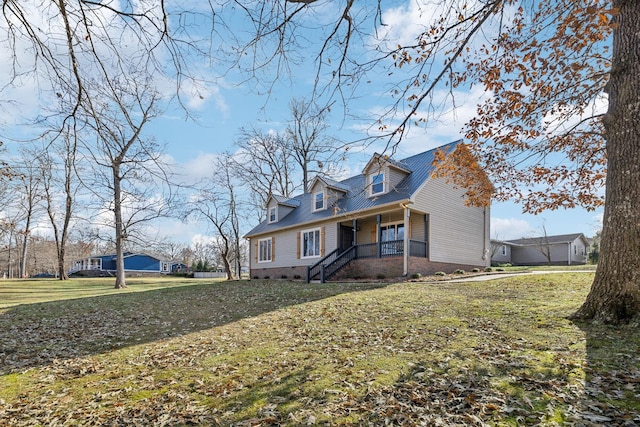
pixel 565 249
pixel 393 219
pixel 133 262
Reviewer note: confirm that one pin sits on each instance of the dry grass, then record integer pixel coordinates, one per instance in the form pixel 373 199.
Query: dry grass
pixel 284 353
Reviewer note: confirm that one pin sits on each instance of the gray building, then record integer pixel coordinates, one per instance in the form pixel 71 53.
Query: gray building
pixel 565 249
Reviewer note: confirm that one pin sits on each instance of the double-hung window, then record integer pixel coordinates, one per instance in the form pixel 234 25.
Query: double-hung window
pixel 272 214
pixel 504 250
pixel 310 243
pixel 264 250
pixel 377 183
pixel 318 200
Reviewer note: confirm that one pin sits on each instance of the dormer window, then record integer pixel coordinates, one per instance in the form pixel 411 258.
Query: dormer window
pixel 377 183
pixel 272 214
pixel 318 200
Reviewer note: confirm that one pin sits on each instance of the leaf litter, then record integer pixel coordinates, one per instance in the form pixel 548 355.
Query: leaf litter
pixel 282 353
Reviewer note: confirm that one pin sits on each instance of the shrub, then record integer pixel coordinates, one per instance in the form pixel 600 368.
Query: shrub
pixel 267 277
pixel 499 269
pixel 416 275
pixel 506 264
pixel 488 269
pixel 255 277
pixel 475 270
pixel 459 271
pixel 380 276
pixel 439 273
pixel 296 276
pixel 284 276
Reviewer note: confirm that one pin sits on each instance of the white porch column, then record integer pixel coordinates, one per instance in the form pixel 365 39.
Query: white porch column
pixel 405 260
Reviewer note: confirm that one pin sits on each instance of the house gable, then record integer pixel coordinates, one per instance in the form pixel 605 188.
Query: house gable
pixel 325 193
pixel 383 174
pixel 279 207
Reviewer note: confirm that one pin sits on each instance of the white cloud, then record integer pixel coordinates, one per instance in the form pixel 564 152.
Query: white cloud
pixel 202 239
pixel 510 228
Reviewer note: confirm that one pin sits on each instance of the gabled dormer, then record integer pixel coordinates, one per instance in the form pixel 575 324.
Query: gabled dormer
pixel 383 174
pixel 278 207
pixel 325 193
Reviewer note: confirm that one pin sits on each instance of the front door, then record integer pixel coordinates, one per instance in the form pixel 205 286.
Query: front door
pixel 346 237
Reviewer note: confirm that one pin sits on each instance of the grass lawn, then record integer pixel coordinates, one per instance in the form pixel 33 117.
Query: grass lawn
pixel 265 353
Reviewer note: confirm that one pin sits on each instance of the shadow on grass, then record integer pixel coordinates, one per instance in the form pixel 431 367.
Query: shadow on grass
pixel 612 383
pixel 33 335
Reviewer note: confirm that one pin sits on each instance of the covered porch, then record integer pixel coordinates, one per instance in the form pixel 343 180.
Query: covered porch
pixel 399 233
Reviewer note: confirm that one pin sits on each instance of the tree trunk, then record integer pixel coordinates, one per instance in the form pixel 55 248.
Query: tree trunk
pixel 615 293
pixel 23 254
pixel 117 210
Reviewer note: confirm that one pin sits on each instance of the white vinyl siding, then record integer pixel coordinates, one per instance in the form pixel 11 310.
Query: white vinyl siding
pixel 287 245
pixel 395 176
pixel 457 233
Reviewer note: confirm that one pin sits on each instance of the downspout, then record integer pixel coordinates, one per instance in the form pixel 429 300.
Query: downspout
pixel 248 239
pixel 485 226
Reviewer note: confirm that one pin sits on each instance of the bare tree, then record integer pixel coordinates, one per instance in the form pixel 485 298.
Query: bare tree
pixel 219 205
pixel 129 165
pixel 543 244
pixel 22 207
pixel 60 186
pixel 265 163
pixel 314 150
pixel 65 45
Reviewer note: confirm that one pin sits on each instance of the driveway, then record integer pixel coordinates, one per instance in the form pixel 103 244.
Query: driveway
pixel 493 276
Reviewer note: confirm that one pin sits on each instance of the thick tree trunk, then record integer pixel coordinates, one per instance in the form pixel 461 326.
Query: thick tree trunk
pixel 615 293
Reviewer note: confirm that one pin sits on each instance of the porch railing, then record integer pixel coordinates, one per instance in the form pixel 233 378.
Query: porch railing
pixel 334 262
pixel 314 272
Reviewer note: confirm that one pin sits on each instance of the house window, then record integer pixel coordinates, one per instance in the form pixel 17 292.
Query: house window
pixel 575 249
pixel 310 243
pixel 377 183
pixel 318 201
pixel 504 250
pixel 264 250
pixel 272 214
pixel 392 238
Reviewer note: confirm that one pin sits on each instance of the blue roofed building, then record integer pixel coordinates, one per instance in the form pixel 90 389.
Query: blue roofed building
pixel 133 262
pixel 394 219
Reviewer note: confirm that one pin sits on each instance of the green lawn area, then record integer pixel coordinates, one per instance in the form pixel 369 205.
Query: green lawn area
pixel 266 353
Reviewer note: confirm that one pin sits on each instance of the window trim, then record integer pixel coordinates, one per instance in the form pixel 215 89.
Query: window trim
pixel 273 209
pixel 303 254
pixel 270 250
pixel 315 201
pixel 372 185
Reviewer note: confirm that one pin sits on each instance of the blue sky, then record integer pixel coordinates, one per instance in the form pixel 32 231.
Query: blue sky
pixel 223 106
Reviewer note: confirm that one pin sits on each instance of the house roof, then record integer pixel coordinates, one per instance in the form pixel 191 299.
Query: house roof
pixel 125 255
pixel 381 160
pixel 331 183
pixel 551 240
pixel 287 201
pixel 419 168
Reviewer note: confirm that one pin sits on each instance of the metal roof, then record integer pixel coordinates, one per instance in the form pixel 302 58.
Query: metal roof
pixel 419 166
pixel 550 240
